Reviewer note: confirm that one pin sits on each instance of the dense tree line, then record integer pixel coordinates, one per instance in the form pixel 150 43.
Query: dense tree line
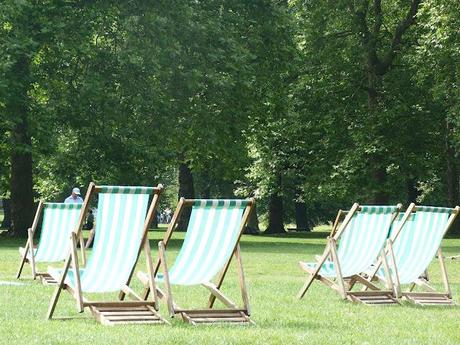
pixel 307 105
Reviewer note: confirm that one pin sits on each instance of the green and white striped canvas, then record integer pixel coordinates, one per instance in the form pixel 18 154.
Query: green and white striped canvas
pixel 59 220
pixel 417 243
pixel 361 242
pixel 119 229
pixel 211 237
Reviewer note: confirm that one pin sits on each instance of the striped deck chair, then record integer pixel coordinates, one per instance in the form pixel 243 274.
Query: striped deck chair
pixel 212 239
pixel 415 239
pixel 353 248
pixel 59 220
pixel 123 219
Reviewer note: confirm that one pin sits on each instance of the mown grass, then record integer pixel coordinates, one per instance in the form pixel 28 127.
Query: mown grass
pixel 274 280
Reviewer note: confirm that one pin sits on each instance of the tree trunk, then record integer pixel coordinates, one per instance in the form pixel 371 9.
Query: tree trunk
pixel 186 190
pixel 253 222
pixel 412 191
pixel 301 218
pixel 380 195
pixel 6 223
pixel 275 215
pixel 155 221
pixel 453 193
pixel 21 187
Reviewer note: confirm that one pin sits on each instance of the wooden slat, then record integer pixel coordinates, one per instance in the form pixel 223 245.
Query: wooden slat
pixel 374 299
pixel 215 315
pixel 47 279
pixel 126 313
pixel 129 304
pixel 209 311
pixel 369 293
pixel 127 322
pixel 222 315
pixel 133 315
pixel 424 294
pixel 212 319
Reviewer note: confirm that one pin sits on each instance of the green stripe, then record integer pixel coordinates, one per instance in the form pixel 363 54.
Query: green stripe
pixel 220 202
pixel 434 209
pixel 126 189
pixel 62 206
pixel 378 209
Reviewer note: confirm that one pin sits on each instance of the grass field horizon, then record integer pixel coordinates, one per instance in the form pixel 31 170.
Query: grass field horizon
pixel 274 278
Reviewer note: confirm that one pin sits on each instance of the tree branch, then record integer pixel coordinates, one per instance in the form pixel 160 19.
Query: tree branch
pixel 378 17
pixel 397 38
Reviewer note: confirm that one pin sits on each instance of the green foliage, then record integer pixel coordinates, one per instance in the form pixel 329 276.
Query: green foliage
pixel 257 98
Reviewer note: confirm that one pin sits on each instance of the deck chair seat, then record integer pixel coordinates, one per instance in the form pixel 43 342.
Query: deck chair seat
pixel 211 240
pixel 123 220
pixel 350 251
pixel 70 277
pixel 327 268
pixel 22 251
pixel 59 220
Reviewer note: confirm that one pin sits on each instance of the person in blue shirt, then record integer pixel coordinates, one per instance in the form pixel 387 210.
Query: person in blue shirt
pixel 75 197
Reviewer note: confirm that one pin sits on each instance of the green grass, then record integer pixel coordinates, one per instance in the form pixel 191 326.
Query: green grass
pixel 274 279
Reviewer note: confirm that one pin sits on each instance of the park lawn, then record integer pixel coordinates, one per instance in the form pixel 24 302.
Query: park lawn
pixel 274 279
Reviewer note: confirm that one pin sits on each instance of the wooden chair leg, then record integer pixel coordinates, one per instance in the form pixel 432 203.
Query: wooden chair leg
pixel 169 300
pixel 76 269
pixel 312 276
pixel 242 280
pixel 57 292
pixel 23 260
pixel 32 254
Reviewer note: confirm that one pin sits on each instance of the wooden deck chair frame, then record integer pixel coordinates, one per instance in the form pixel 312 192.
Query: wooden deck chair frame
pixel 344 285
pixel 232 313
pixel 430 296
pixel 341 214
pixel 29 250
pixel 137 310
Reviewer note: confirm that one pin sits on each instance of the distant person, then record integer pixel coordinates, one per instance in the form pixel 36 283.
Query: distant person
pixel 89 221
pixel 89 226
pixel 168 213
pixel 75 197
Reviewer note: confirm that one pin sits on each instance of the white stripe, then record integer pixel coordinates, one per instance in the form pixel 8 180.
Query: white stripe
pixel 186 252
pixel 204 238
pixel 112 271
pixel 97 253
pixel 210 257
pixel 215 264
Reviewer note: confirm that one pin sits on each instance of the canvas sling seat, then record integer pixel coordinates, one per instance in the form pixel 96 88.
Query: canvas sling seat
pixel 59 220
pixel 211 240
pixel 352 249
pixel 123 219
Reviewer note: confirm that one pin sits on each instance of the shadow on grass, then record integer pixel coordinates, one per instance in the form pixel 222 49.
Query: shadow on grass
pixel 11 242
pixel 273 247
pixel 259 247
pixel 255 246
pixel 299 234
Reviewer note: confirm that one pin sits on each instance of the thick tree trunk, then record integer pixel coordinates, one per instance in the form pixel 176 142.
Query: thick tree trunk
pixel 206 194
pixel 21 187
pixel 6 223
pixel 379 175
pixel 253 222
pixel 453 180
pixel 186 190
pixel 412 191
pixel 301 217
pixel 275 215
